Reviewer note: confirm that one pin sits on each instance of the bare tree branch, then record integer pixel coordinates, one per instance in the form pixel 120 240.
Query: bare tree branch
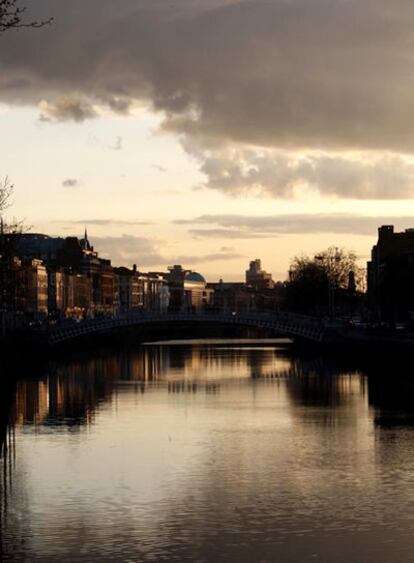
pixel 15 226
pixel 12 17
pixel 6 190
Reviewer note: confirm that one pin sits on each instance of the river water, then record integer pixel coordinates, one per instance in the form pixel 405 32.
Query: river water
pixel 216 451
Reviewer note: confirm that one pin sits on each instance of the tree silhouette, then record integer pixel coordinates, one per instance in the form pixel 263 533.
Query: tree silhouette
pixel 9 276
pixel 312 280
pixel 6 190
pixel 12 16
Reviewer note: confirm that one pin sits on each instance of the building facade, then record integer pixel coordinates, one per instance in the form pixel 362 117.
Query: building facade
pixel 390 276
pixel 258 278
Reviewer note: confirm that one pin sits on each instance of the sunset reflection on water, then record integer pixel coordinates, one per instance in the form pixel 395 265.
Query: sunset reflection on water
pixel 220 451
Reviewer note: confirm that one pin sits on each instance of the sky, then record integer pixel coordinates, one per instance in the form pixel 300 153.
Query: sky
pixel 211 132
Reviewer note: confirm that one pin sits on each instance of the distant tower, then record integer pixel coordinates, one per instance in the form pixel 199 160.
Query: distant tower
pixel 85 244
pixel 258 278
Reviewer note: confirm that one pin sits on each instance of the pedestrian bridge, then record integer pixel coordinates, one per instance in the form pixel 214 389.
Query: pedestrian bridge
pixel 288 324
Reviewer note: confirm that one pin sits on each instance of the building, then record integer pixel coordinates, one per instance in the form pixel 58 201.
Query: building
pixel 163 297
pixel 188 290
pixel 36 245
pixel 79 257
pixel 66 278
pixel 74 267
pixel 257 278
pixel 56 293
pixel 34 288
pixel 78 291
pixel 130 288
pixel 156 290
pixel 138 290
pixel 109 299
pixel 233 296
pixel 175 277
pixel 69 294
pixel 197 296
pixel 390 275
pixel 24 288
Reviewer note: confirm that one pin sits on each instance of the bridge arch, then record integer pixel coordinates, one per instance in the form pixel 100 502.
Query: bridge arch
pixel 288 324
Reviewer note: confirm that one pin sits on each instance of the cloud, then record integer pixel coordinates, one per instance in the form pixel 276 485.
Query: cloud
pixel 129 249
pixel 227 234
pixel 146 253
pixel 159 168
pixel 244 226
pixel 191 260
pixel 118 145
pixel 233 73
pixel 66 109
pixel 278 174
pixel 108 222
pixel 70 183
pixel 121 106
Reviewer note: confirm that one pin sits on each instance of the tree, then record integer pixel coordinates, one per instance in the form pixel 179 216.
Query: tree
pixel 307 287
pixel 12 16
pixel 6 190
pixel 9 276
pixel 337 263
pixel 315 284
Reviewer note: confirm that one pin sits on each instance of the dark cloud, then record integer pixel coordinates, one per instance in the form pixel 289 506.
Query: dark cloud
pixel 70 183
pixel 242 226
pixel 324 75
pixel 119 105
pixel 67 109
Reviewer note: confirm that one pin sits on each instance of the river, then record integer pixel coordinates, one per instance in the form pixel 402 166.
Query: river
pixel 210 451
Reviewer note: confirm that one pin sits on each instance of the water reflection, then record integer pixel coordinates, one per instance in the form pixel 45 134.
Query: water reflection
pixel 214 452
pixel 7 455
pixel 70 394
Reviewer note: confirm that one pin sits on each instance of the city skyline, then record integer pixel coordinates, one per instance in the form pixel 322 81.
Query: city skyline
pixel 206 280
pixel 274 144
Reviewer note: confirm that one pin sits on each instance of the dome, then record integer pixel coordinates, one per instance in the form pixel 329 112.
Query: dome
pixel 194 277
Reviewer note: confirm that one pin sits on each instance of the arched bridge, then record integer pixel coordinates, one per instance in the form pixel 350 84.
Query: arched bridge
pixel 288 324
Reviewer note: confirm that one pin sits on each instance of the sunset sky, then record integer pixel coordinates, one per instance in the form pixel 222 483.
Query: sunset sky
pixel 211 132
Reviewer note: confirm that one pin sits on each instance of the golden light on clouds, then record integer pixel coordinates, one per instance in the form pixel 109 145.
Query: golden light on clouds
pixel 167 112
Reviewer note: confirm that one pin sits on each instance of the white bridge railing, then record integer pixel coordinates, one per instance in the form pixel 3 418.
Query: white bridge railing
pixel 287 323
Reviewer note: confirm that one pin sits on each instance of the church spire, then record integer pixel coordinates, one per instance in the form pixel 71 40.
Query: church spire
pixel 85 245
